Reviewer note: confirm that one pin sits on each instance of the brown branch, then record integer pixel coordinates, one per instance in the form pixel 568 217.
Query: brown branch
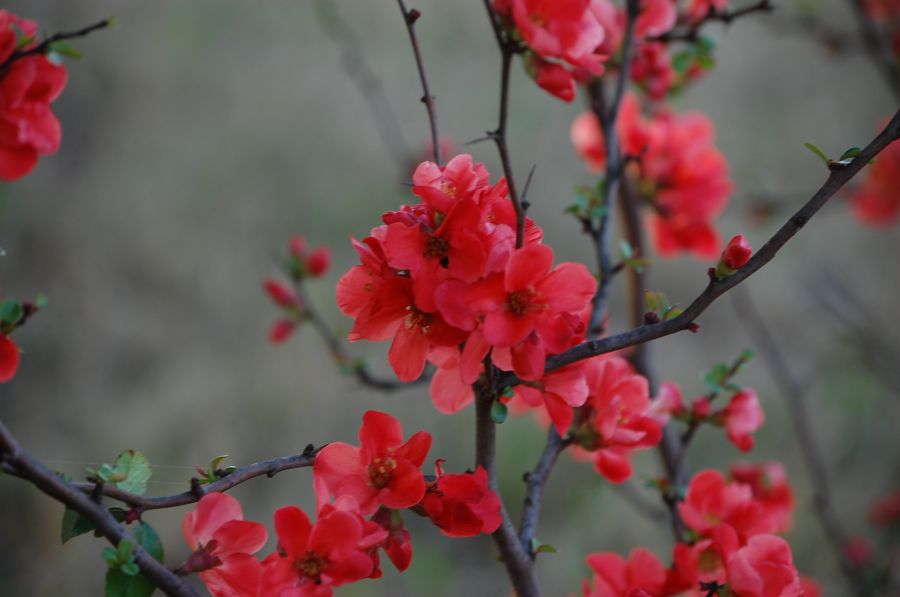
pixel 44 46
pixel 776 362
pixel 410 17
pixel 535 481
pixel 18 461
pixel 519 564
pixel 692 32
pixel 358 70
pixel 877 47
pixel 839 177
pixel 269 468
pixel 615 169
pixel 508 49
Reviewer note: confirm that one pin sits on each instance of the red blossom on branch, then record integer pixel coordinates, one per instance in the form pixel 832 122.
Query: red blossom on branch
pixel 9 358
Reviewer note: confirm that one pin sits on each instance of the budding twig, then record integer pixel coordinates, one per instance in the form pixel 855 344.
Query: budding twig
pixel 44 46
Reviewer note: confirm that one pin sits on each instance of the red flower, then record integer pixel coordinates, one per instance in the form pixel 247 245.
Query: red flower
pixel 656 18
pixel 737 253
pixel 711 501
pixel 886 510
pixel 641 575
pixel 559 391
pixel 449 392
pixel 620 419
pixel 381 471
pixel 698 10
pixel 303 263
pixel 440 188
pixel 764 568
pixel 313 558
pixel 652 69
pixel 743 416
pixel 877 202
pixel 769 483
pixel 462 505
pixel 222 542
pixel 28 127
pixel 551 77
pixel 397 545
pixel 857 550
pixel 9 358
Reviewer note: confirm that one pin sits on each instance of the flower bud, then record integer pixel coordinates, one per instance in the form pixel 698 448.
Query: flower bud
pixel 280 294
pixel 318 262
pixel 737 253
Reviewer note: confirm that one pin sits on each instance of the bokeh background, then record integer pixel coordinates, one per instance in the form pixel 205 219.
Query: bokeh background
pixel 200 135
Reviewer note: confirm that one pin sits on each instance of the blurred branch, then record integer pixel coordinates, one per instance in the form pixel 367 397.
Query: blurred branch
pixel 615 168
pixel 840 176
pixel 692 32
pixel 367 83
pixel 18 462
pixel 535 481
pixel 792 392
pixel 46 45
pixel 269 468
pixel 410 17
pixel 877 48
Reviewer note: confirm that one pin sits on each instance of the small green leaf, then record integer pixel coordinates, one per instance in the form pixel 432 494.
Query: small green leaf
pixel 705 44
pixel 508 392
pixel 813 148
pixel 74 524
pixel 120 584
pixel 682 61
pixel 851 153
pixel 132 471
pixel 672 313
pixel 498 412
pixel 124 551
pixel 41 301
pixel 148 538
pixel 130 569
pixel 716 376
pixel 625 250
pixel 109 555
pixel 10 311
pixel 215 462
pixel 747 354
pixel 538 547
pixel 706 61
pixel 66 49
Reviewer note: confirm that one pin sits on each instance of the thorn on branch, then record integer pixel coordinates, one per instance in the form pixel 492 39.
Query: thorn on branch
pixel 97 493
pixel 197 487
pixel 309 450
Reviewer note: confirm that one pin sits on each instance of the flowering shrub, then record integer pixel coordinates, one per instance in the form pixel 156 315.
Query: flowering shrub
pixel 468 291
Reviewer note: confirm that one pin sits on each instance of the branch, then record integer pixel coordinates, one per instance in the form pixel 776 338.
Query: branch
pixel 340 354
pixel 615 168
pixel 354 63
pixel 410 17
pixel 535 481
pixel 692 32
pixel 16 459
pixel 44 46
pixel 755 327
pixel 508 49
pixel 716 288
pixel 518 562
pixel 269 468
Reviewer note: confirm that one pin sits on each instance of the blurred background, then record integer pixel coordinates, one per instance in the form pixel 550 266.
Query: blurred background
pixel 198 136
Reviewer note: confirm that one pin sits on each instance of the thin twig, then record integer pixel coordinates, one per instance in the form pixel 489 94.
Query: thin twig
pixel 44 46
pixel 692 32
pixel 535 481
pixel 410 17
pixel 877 47
pixel 717 287
pixel 792 393
pixel 17 460
pixel 269 468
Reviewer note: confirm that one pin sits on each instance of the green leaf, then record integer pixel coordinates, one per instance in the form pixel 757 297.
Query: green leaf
pixel 851 153
pixel 109 555
pixel 716 376
pixel 64 48
pixel 657 302
pixel 706 61
pixel 813 148
pixel 538 547
pixel 625 249
pixel 41 301
pixel 132 471
pixel 498 412
pixel 148 538
pixel 120 584
pixel 705 44
pixel 672 313
pixel 124 551
pixel 682 60
pixel 10 311
pixel 215 462
pixel 508 392
pixel 131 569
pixel 74 524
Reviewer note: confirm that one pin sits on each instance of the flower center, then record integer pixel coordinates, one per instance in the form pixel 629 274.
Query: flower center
pixel 436 248
pixel 381 470
pixel 521 302
pixel 311 565
pixel 449 189
pixel 417 318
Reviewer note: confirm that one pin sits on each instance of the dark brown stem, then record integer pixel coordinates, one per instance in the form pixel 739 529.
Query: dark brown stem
pixel 268 468
pixel 44 46
pixel 410 17
pixel 615 169
pixel 877 47
pixel 716 288
pixel 518 562
pixel 535 481
pixel 15 459
pixel 692 32
pixel 792 393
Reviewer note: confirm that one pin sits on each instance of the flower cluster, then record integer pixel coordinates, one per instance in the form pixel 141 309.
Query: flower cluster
pixel 679 171
pixel 444 280
pixel 876 202
pixel 28 128
pixel 732 524
pixel 377 479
